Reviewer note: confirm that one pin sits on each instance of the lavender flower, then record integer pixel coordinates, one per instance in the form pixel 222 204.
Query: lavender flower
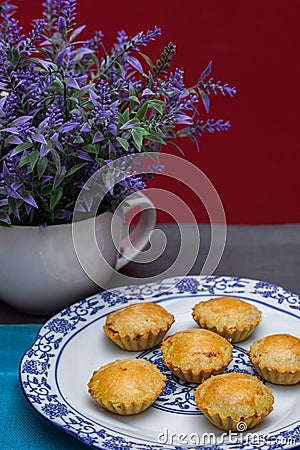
pixel 66 112
pixel 10 108
pixel 218 87
pixel 13 34
pixel 54 118
pixel 122 40
pixel 211 126
pixel 26 131
pixel 95 42
pixel 35 36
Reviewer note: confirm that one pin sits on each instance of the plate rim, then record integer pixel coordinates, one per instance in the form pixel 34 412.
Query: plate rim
pixel 175 281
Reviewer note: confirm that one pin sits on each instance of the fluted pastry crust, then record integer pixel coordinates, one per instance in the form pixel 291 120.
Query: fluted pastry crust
pixel 127 386
pixel 230 317
pixel 195 354
pixel 232 398
pixel 277 358
pixel 139 326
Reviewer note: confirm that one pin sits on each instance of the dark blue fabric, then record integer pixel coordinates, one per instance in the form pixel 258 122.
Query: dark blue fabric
pixel 20 426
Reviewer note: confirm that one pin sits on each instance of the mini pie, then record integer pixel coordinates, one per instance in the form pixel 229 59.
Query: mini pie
pixel 234 401
pixel 127 386
pixel 195 354
pixel 230 317
pixel 139 326
pixel 277 358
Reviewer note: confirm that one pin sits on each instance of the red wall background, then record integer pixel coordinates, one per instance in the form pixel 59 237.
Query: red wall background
pixel 254 46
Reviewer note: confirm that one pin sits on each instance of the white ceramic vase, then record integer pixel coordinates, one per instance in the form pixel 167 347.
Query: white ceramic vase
pixel 43 270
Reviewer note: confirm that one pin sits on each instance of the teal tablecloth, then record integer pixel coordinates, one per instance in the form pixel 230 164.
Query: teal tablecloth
pixel 20 427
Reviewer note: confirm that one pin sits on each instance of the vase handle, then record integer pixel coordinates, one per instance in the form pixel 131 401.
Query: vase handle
pixel 138 238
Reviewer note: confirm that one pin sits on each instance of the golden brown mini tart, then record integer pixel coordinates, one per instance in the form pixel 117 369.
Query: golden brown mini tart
pixel 230 317
pixel 277 358
pixel 127 386
pixel 234 401
pixel 195 354
pixel 139 326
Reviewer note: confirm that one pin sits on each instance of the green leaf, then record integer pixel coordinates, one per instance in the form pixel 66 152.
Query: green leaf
pixel 55 196
pixel 206 72
pixel 90 148
pixel 153 155
pixel 74 99
pixel 121 121
pixel 148 60
pixel 47 189
pixel 123 142
pixel 75 168
pixel 56 158
pixel 142 130
pixel 157 104
pixel 150 81
pixel 141 113
pixel 205 99
pixel 176 146
pixel 133 100
pixel 4 224
pixel 58 85
pixel 21 147
pixel 76 32
pixel 132 91
pixel 59 177
pixel 125 115
pixel 155 137
pixel 184 132
pixel 31 158
pixel 101 162
pixel 138 137
pixel 4 219
pixel 83 90
pixel 46 65
pixel 130 122
pixel 78 140
pixel 41 167
pixel 15 58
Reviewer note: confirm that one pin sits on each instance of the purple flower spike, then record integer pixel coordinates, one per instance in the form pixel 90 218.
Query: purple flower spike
pixel 61 24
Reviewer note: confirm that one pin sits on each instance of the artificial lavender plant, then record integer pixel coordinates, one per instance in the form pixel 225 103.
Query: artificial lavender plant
pixel 68 108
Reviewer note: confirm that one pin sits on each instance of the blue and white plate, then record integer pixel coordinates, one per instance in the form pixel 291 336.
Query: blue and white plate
pixel 55 371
